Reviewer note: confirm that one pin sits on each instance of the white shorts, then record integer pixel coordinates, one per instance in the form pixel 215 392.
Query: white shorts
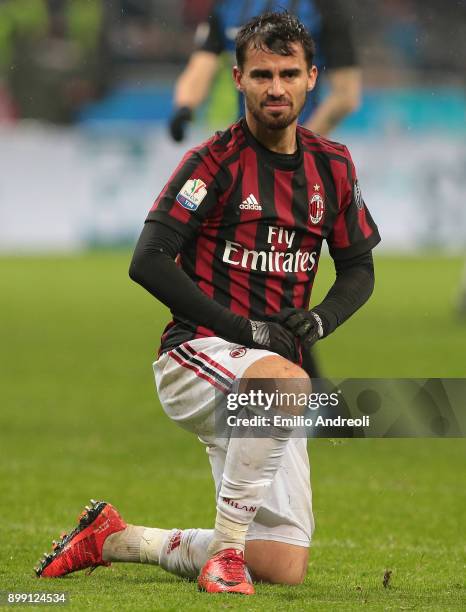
pixel 187 380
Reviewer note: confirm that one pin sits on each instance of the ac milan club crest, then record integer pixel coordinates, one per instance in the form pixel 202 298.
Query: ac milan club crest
pixel 316 208
pixel 238 352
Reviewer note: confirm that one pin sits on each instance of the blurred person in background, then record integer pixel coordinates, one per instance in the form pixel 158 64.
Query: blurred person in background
pixel 53 56
pixel 329 24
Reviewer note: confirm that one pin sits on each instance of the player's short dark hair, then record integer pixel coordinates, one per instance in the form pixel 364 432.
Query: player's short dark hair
pixel 274 32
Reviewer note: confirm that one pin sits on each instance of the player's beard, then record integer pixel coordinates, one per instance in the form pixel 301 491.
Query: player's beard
pixel 279 120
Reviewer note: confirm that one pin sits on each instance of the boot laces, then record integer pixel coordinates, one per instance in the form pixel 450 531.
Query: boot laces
pixel 235 566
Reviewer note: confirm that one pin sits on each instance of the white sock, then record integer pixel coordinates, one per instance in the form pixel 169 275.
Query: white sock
pixel 185 552
pixel 179 552
pixel 250 466
pixel 151 543
pixel 124 545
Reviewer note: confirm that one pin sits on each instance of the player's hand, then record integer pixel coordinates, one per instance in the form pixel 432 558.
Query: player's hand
pixel 306 325
pixel 274 337
pixel 177 125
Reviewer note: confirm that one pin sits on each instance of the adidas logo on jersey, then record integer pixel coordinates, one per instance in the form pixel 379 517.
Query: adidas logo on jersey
pixel 250 203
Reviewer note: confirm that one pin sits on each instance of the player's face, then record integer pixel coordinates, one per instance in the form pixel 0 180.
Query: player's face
pixel 275 86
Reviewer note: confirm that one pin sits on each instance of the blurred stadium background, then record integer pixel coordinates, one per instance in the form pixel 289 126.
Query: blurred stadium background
pixel 83 116
pixel 84 150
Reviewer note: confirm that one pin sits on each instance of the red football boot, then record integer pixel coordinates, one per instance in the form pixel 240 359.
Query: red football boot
pixel 82 548
pixel 226 572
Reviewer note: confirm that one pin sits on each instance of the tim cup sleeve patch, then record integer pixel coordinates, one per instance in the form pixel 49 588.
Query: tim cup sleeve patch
pixel 189 196
pixel 192 194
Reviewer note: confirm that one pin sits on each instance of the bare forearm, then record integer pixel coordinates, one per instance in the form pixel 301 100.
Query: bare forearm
pixel 327 116
pixel 343 99
pixel 194 82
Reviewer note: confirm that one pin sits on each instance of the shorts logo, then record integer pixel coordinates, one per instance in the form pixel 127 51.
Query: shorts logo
pixel 316 208
pixel 192 193
pixel 357 193
pixel 238 352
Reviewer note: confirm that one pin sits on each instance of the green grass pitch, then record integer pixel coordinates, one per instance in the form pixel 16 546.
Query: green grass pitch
pixel 79 419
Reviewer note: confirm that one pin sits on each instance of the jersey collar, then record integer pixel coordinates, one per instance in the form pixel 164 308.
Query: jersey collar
pixel 281 161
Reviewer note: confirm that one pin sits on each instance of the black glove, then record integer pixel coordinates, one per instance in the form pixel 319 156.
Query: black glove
pixel 304 324
pixel 274 337
pixel 178 123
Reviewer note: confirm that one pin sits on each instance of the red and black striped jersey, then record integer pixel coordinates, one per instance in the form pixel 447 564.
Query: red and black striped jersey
pixel 253 221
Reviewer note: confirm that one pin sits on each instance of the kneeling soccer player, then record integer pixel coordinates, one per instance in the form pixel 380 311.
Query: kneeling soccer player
pixel 231 246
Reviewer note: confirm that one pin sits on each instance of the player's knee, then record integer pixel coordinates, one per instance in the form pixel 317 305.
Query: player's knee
pixel 281 379
pixel 294 576
pixel 292 572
